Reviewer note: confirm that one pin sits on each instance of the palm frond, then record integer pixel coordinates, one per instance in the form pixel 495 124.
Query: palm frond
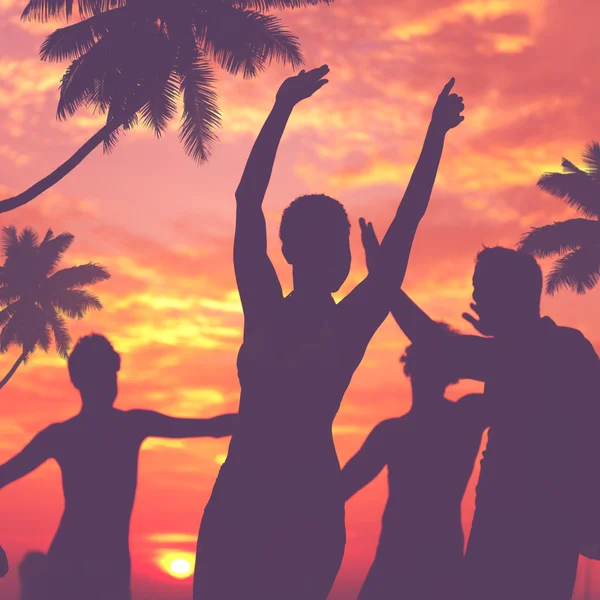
pixel 75 40
pixel 10 240
pixel 44 339
pixel 578 270
pixel 591 158
pixel 7 295
pixel 76 277
pixel 7 313
pixel 110 141
pixel 28 238
pixel 162 106
pixel 51 251
pixel 96 78
pixel 27 328
pixel 200 110
pixel 246 41
pixel 575 187
pixel 44 10
pixel 138 80
pixel 9 336
pixel 569 167
pixel 267 5
pixel 62 338
pixel 75 303
pixel 77 85
pixel 560 237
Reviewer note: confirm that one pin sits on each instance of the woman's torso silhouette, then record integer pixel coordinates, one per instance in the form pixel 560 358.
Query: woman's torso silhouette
pixel 293 376
pixel 281 478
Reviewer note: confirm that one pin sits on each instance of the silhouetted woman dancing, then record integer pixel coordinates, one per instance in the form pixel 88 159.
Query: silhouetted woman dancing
pixel 430 453
pixel 97 452
pixel 274 526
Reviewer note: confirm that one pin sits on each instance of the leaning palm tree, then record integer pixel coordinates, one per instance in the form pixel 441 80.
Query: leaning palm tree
pixel 576 241
pixel 131 60
pixel 35 296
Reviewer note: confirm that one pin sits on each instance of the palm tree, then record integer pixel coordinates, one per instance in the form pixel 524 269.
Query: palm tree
pixel 35 295
pixel 131 60
pixel 576 241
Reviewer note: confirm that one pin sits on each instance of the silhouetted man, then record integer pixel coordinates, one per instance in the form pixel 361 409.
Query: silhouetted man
pixel 533 507
pixel 97 451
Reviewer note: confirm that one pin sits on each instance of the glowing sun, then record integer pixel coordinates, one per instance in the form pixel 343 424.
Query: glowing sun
pixel 178 564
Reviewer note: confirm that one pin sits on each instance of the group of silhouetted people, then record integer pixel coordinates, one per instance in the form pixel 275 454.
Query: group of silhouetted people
pixel 274 527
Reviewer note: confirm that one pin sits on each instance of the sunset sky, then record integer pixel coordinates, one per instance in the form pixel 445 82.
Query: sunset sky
pixel 163 227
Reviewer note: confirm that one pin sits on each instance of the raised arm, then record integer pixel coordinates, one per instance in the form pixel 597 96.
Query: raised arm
pixel 37 452
pixel 367 463
pixel 369 302
pixel 155 424
pixel 257 281
pixel 397 242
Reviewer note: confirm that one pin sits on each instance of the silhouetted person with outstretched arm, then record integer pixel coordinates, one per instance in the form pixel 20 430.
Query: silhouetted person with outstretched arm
pixel 536 491
pixel 97 452
pixel 274 526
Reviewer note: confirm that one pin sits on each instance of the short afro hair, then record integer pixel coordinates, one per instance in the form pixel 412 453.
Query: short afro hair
pixel 305 212
pixel 438 371
pixel 92 356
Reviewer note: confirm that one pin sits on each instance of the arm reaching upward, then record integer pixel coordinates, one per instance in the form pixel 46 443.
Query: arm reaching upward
pixel 367 463
pixel 257 281
pixel 37 452
pixel 397 242
pixel 154 424
pixel 388 271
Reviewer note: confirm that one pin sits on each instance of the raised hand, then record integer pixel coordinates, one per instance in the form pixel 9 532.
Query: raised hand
pixel 476 322
pixel 446 113
pixel 301 86
pixel 370 242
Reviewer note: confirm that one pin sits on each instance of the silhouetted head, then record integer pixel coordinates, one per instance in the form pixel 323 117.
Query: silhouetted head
pixel 315 236
pixel 425 365
pixel 507 288
pixel 93 367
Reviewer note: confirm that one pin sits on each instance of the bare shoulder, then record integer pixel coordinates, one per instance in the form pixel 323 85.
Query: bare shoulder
pixel 58 429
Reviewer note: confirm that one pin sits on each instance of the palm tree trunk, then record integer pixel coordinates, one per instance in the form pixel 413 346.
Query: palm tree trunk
pixel 12 370
pixel 64 169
